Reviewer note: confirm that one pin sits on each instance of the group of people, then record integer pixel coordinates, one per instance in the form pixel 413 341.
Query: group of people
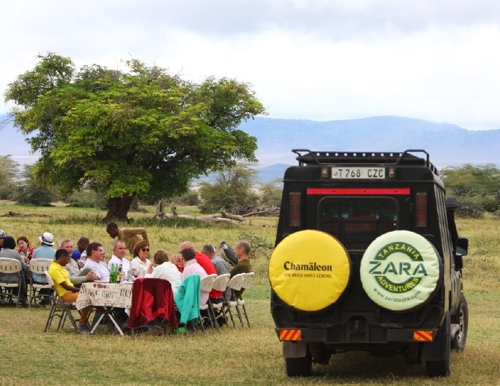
pixel 73 266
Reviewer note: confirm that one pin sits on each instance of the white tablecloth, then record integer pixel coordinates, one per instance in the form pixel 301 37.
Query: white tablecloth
pixel 105 295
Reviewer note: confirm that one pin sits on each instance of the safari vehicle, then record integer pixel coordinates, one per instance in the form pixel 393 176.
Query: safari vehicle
pixel 367 258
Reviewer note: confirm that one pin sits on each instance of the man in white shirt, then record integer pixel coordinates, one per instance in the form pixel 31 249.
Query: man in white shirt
pixel 118 257
pixel 95 257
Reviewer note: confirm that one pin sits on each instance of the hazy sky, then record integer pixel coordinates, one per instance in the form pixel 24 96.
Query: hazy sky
pixel 317 59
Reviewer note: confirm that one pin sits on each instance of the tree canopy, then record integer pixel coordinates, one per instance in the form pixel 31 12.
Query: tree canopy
pixel 126 133
pixel 232 187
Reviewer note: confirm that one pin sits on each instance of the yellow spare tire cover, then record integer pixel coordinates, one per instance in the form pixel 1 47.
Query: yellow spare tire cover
pixel 400 270
pixel 309 270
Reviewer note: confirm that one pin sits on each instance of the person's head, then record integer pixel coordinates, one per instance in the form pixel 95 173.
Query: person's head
pixel 23 243
pixel 141 250
pixel 62 256
pixel 119 249
pixel 68 245
pixel 242 250
pixel 3 235
pixel 188 254
pixel 208 250
pixel 95 252
pixel 83 243
pixel 185 245
pixel 47 239
pixel 112 230
pixel 9 242
pixel 160 257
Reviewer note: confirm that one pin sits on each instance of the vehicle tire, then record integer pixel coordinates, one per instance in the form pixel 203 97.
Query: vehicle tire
pixel 440 368
pixel 299 367
pixel 460 339
pixel 400 271
pixel 309 270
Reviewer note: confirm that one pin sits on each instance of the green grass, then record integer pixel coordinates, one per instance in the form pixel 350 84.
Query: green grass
pixel 233 356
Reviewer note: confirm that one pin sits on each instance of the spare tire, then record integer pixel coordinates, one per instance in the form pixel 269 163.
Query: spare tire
pixel 309 270
pixel 400 270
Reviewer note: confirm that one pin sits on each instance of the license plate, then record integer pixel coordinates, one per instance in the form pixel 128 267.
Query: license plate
pixel 358 173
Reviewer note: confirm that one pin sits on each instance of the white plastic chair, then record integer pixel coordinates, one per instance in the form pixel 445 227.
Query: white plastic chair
pixel 235 284
pixel 206 285
pixel 59 309
pixel 39 266
pixel 246 284
pixel 220 284
pixel 10 266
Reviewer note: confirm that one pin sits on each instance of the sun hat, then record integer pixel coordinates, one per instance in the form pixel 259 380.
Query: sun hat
pixel 47 238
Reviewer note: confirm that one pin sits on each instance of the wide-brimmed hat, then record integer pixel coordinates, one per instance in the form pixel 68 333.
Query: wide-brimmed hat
pixel 47 238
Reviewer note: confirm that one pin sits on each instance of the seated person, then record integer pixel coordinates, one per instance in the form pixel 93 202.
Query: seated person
pixel 95 261
pixel 164 269
pixel 9 251
pixel 76 275
pixel 241 250
pixel 141 253
pixel 191 267
pixel 118 257
pixel 65 288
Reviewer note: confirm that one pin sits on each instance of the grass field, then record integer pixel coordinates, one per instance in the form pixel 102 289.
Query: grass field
pixel 233 356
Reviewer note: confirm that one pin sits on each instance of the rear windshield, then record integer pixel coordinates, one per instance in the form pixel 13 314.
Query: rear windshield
pixel 357 221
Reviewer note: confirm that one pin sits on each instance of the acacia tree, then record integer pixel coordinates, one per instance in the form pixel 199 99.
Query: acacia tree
pixel 124 133
pixel 232 187
pixel 8 172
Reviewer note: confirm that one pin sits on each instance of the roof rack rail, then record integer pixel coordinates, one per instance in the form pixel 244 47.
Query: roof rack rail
pixel 306 156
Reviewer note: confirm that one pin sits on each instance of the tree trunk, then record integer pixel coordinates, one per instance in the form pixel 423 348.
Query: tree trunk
pixel 118 208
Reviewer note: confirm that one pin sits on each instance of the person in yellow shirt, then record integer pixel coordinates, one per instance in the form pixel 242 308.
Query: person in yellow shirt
pixel 127 235
pixel 65 288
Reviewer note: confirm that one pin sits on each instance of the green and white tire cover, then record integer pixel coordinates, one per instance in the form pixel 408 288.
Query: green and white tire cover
pixel 400 270
pixel 309 270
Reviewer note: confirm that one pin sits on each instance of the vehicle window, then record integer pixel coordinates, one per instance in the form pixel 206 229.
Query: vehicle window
pixel 357 221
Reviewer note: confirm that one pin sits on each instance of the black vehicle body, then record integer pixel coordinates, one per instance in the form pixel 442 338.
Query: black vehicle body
pixel 406 193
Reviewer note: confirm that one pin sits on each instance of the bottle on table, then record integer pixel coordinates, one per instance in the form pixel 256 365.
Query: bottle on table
pixel 121 274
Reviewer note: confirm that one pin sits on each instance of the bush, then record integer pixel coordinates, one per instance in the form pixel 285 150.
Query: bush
pixel 86 199
pixel 33 195
pixel 191 198
pixel 470 207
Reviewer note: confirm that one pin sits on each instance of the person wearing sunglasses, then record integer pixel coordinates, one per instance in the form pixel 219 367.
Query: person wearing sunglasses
pixel 141 253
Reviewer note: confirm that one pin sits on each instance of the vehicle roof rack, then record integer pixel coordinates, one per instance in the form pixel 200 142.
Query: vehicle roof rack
pixel 306 156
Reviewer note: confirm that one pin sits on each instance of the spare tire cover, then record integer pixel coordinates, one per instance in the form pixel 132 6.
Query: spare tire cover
pixel 400 270
pixel 309 270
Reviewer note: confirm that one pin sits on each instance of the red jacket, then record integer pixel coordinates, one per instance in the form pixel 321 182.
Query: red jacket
pixel 209 268
pixel 152 298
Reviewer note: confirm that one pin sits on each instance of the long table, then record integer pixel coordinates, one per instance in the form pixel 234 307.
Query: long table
pixel 105 295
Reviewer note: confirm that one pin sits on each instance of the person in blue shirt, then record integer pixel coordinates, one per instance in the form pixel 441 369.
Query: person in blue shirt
pixel 44 251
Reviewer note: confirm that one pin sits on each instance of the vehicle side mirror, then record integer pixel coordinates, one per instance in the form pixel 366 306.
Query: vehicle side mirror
pixel 462 247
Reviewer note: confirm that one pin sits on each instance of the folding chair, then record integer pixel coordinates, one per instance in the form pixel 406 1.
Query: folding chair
pixel 235 285
pixel 220 284
pixel 10 266
pixel 152 299
pixel 59 309
pixel 206 285
pixel 246 284
pixel 39 266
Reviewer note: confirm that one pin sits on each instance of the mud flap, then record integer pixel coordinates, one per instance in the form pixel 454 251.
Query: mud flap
pixel 294 349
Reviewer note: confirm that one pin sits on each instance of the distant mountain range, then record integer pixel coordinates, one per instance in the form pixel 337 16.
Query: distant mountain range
pixel 447 144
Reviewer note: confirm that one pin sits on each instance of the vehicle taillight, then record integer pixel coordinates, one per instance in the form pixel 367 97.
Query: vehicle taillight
pixel 421 199
pixel 295 199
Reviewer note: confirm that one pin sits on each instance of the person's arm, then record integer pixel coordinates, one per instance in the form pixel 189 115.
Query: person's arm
pixel 128 232
pixel 68 287
pixel 238 268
